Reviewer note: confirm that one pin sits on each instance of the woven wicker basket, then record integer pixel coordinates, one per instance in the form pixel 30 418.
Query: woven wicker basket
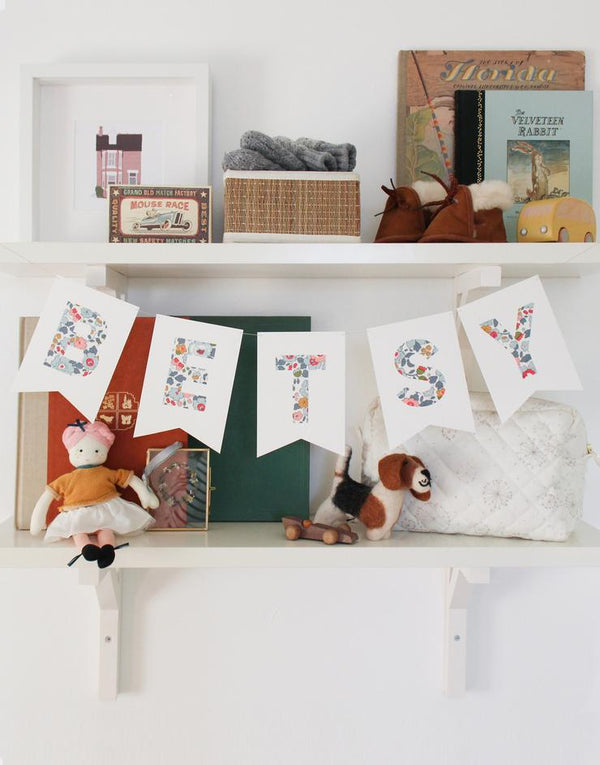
pixel 291 206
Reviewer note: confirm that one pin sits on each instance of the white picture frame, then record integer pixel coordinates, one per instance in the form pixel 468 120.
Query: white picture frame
pixel 171 100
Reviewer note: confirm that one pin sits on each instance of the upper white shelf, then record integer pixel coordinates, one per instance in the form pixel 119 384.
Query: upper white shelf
pixel 297 260
pixel 263 545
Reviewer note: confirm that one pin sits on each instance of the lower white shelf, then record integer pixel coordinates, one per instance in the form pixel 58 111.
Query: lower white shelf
pixel 263 545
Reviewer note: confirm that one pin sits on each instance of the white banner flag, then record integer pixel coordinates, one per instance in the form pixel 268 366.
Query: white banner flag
pixel 420 376
pixel 76 345
pixel 189 378
pixel 301 390
pixel 518 345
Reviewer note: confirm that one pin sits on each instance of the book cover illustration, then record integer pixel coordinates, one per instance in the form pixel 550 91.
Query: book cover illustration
pixel 428 79
pixel 160 214
pixel 539 142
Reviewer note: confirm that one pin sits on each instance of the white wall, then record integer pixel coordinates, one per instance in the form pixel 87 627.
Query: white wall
pixel 266 667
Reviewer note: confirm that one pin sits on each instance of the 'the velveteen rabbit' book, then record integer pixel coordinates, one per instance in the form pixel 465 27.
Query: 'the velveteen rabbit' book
pixel 539 142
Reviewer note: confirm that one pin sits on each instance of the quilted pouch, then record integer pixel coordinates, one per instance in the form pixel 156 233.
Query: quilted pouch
pixel 523 478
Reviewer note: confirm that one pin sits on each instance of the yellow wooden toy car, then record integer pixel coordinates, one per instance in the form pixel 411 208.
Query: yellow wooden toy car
pixel 565 219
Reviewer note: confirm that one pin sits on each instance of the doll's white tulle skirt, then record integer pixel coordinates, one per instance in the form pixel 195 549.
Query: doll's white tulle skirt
pixel 123 517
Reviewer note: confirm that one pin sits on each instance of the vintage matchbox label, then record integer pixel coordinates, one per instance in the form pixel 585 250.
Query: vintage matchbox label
pixel 160 214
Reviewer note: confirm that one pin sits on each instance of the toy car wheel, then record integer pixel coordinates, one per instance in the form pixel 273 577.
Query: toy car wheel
pixel 292 533
pixel 186 225
pixel 330 537
pixel 166 225
pixel 588 237
pixel 563 235
pixel 136 226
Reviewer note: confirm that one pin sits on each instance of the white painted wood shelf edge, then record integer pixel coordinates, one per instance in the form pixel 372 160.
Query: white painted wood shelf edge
pixel 39 259
pixel 263 545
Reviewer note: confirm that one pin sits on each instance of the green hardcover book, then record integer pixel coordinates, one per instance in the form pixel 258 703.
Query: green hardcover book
pixel 247 487
pixel 539 142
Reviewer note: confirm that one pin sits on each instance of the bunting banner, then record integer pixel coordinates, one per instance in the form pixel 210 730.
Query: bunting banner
pixel 189 378
pixel 76 345
pixel 518 344
pixel 420 376
pixel 301 390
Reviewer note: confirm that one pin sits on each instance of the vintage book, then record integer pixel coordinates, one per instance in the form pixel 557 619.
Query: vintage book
pixel 160 214
pixel 540 142
pixel 427 80
pixel 247 488
pixel 32 440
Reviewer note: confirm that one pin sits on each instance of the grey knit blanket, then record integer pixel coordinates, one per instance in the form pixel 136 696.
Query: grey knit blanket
pixel 261 152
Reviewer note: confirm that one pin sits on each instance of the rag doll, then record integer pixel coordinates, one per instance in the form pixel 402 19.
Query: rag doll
pixel 91 502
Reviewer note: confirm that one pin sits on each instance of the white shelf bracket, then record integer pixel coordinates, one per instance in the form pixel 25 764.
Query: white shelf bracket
pixel 474 279
pixel 458 583
pixel 107 584
pixel 106 279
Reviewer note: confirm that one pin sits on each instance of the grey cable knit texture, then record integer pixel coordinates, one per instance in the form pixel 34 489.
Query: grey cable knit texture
pixel 261 152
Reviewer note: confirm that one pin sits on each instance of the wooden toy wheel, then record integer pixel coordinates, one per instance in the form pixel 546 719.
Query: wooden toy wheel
pixel 588 237
pixel 293 533
pixel 563 235
pixel 330 537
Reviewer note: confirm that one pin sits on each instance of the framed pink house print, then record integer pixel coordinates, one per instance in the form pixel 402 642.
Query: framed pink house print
pixel 87 126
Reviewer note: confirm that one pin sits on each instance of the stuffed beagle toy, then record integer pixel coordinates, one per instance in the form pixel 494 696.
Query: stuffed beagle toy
pixel 377 507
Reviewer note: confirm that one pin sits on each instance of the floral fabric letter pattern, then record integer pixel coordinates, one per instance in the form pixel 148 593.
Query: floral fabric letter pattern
pixel 518 344
pixel 407 367
pixel 300 366
pixel 71 352
pixel 186 354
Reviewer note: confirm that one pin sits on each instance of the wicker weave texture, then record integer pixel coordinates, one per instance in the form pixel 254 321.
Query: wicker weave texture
pixel 277 206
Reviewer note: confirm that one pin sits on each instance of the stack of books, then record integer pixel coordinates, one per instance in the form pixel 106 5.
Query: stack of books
pixel 518 116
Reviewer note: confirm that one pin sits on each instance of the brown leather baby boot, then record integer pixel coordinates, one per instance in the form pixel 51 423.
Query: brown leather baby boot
pixel 470 213
pixel 406 214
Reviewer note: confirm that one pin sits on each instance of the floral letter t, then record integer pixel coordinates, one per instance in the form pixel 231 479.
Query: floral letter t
pixel 300 366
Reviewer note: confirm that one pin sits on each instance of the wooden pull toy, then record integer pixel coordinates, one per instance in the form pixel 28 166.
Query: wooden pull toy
pixel 298 528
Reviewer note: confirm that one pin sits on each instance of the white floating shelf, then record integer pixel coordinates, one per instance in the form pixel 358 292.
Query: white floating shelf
pixel 49 259
pixel 263 545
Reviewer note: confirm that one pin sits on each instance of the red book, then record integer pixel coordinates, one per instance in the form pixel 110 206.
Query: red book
pixel 118 410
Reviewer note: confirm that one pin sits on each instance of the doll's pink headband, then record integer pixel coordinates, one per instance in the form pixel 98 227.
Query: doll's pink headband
pixel 77 430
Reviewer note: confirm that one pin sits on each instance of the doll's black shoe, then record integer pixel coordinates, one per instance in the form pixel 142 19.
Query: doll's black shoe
pixel 106 554
pixel 90 552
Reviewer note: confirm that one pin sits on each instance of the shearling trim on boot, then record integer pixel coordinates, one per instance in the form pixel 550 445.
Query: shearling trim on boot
pixel 429 191
pixel 490 194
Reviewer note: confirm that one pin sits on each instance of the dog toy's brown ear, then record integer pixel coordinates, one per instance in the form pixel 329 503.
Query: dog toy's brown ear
pixel 389 471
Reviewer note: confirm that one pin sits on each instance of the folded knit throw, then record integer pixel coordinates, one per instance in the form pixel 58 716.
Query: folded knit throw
pixel 262 152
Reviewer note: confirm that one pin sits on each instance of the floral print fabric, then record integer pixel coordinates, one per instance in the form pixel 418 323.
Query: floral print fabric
pixel 518 344
pixel 300 366
pixel 71 352
pixel 407 366
pixel 182 372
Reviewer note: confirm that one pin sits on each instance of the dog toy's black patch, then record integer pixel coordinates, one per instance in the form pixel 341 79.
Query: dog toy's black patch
pixel 350 496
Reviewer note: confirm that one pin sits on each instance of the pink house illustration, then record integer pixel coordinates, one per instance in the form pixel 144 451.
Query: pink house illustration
pixel 118 162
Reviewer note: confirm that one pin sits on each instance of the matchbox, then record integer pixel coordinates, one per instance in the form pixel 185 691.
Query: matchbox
pixel 160 214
